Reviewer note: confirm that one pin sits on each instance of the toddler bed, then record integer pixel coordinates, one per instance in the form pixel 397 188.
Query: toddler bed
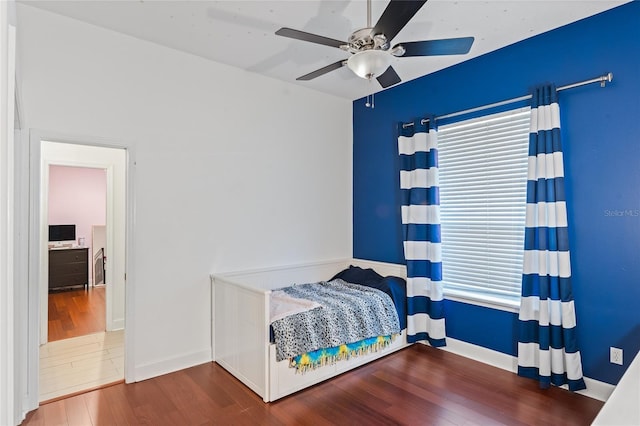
pixel 243 333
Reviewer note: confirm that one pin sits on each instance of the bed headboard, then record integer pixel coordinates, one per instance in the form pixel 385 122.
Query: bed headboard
pixel 282 276
pixel 384 269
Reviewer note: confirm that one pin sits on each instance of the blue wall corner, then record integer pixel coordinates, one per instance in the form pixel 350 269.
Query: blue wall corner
pixel 601 138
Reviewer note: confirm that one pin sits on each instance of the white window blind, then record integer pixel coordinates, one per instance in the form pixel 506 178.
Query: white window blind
pixel 483 184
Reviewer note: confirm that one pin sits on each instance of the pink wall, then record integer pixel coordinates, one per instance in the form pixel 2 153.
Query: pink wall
pixel 78 195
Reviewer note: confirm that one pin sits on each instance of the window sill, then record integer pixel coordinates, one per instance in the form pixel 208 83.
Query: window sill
pixel 483 300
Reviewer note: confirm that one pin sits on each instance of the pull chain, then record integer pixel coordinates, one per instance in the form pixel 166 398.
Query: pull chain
pixel 371 101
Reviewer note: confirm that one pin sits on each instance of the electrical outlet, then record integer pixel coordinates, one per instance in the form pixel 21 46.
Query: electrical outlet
pixel 615 356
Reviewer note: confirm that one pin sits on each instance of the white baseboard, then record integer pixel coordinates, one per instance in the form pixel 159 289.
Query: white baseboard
pixel 595 389
pixel 482 354
pixel 117 324
pixel 170 365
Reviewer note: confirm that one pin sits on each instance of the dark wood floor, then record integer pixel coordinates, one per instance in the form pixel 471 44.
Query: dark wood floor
pixel 75 313
pixel 419 385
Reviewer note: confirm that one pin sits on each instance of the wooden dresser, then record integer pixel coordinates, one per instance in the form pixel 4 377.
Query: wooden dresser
pixel 68 267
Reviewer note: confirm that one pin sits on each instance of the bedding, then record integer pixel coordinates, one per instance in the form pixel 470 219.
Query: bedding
pixel 325 356
pixel 395 287
pixel 282 305
pixel 348 313
pixel 358 275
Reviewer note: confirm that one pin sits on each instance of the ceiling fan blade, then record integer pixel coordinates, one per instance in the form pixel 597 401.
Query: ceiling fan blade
pixel 312 38
pixel 322 71
pixel 389 78
pixel 449 46
pixel 397 14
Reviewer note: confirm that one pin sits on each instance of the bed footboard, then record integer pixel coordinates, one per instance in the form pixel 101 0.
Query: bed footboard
pixel 240 339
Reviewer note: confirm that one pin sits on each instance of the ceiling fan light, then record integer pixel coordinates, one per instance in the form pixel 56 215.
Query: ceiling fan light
pixel 369 63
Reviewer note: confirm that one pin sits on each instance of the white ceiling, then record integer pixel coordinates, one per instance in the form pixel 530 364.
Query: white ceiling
pixel 241 32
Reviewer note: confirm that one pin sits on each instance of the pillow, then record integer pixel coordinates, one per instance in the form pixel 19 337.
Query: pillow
pixel 357 275
pixel 396 287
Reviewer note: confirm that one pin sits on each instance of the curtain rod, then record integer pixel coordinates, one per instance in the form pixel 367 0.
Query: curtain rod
pixel 603 80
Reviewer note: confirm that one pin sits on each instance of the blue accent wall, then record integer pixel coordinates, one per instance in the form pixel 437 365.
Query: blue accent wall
pixel 601 138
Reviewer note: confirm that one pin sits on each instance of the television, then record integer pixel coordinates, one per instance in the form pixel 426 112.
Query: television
pixel 62 232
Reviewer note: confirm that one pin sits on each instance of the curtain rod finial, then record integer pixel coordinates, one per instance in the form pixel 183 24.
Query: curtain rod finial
pixel 606 79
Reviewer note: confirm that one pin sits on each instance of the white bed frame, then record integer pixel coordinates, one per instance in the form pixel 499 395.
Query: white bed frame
pixel 240 327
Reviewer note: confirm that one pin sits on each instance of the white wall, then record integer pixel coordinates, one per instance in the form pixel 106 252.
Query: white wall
pixel 232 171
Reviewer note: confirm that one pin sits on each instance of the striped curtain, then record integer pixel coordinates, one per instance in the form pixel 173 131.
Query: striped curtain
pixel 417 145
pixel 547 345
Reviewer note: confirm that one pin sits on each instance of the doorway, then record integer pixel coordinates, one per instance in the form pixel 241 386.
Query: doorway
pixel 77 206
pixel 81 361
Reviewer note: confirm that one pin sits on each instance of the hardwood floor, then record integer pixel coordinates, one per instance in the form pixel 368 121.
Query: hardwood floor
pixel 75 313
pixel 418 385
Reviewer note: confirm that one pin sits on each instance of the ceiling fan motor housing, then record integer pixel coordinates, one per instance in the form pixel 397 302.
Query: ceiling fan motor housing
pixel 365 39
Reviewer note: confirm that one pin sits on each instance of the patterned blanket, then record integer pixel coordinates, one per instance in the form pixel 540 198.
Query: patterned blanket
pixel 347 313
pixel 309 361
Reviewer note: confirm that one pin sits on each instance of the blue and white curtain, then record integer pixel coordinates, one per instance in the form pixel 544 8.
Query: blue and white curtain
pixel 547 345
pixel 418 145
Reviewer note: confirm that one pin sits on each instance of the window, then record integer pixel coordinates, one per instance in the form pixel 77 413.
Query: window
pixel 483 184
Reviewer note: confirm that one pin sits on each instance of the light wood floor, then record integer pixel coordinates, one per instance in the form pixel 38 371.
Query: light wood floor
pixel 80 363
pixel 419 385
pixel 80 355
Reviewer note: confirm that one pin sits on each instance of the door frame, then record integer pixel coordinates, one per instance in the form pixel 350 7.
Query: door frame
pixel 37 250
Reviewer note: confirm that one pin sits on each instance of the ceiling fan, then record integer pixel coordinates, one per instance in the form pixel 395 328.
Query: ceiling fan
pixel 370 47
